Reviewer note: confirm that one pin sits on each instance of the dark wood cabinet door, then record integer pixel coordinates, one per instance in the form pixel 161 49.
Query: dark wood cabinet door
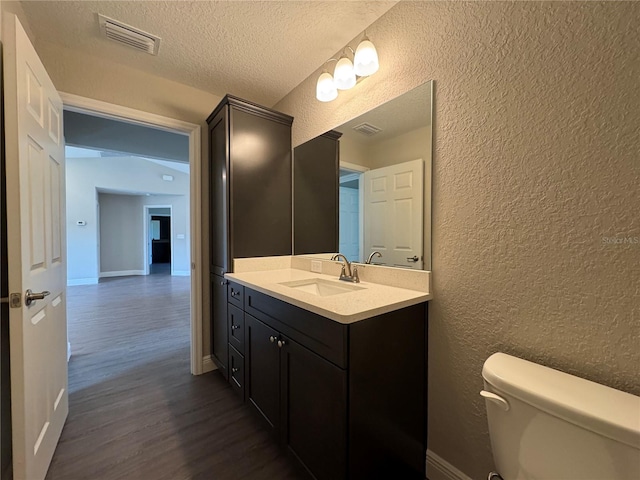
pixel 260 152
pixel 262 357
pixel 315 195
pixel 314 411
pixel 218 192
pixel 219 331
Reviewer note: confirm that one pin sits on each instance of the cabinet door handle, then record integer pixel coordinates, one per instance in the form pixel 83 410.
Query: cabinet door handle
pixel 234 294
pixel 272 339
pixel 281 343
pixel 235 327
pixel 224 282
pixel 234 370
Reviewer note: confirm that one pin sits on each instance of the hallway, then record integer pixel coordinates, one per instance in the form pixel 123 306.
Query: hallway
pixel 135 410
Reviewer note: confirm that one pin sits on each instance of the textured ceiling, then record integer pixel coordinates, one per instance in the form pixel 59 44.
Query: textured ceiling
pixel 256 50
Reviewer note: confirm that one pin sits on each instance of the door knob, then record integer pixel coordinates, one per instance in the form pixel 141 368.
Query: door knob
pixel 30 297
pixel 413 259
pixel 281 343
pixel 272 339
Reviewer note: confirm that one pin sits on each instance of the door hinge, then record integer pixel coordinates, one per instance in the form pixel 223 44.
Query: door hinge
pixel 14 300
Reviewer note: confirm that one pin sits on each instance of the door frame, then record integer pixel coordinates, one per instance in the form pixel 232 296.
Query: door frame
pixel 79 104
pixel 147 219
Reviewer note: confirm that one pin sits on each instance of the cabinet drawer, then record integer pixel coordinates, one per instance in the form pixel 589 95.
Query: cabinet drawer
pixel 236 371
pixel 236 327
pixel 236 294
pixel 319 334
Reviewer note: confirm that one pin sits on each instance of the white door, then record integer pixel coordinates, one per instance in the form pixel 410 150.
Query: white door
pixel 37 249
pixel 393 206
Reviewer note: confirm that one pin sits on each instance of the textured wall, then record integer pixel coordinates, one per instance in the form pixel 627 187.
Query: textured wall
pixel 537 115
pixel 404 148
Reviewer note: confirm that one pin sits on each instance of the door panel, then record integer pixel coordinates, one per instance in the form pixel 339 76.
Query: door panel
pixel 263 367
pixel 219 166
pixel 314 411
pixel 260 169
pixel 393 214
pixel 315 195
pixel 36 246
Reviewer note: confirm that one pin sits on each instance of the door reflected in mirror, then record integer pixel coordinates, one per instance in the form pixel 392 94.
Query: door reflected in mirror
pixel 382 193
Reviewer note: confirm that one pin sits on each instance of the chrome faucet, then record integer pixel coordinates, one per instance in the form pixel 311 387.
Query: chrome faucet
pixel 347 275
pixel 371 256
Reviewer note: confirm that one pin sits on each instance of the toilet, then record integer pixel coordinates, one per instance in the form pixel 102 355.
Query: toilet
pixel 548 425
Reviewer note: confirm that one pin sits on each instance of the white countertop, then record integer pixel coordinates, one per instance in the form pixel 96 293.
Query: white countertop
pixel 373 299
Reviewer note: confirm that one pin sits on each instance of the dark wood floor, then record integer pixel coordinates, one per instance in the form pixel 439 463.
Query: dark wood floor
pixel 135 410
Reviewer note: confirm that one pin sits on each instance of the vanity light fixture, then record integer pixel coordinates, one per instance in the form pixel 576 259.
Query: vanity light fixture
pixel 344 76
pixel 325 89
pixel 365 63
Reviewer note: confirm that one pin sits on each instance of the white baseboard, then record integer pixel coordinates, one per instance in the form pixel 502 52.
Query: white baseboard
pixel 72 282
pixel 439 469
pixel 207 364
pixel 121 273
pixel 181 273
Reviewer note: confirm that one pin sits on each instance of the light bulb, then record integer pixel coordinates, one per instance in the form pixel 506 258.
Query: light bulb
pixel 326 88
pixel 344 76
pixel 366 59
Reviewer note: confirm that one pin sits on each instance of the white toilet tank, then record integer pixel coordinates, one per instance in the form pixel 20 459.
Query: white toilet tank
pixel 549 425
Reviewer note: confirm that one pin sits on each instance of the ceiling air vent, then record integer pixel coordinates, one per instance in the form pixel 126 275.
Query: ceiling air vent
pixel 367 129
pixel 128 35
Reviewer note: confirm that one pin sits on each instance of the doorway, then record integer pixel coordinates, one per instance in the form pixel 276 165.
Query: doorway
pixel 158 252
pixel 350 224
pixel 192 234
pixel 351 196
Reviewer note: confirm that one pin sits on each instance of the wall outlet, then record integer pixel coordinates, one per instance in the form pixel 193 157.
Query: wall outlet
pixel 316 266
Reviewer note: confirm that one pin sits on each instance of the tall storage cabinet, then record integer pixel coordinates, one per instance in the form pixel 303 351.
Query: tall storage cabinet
pixel 250 198
pixel 316 166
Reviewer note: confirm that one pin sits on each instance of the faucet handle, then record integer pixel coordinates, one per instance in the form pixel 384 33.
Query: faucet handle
pixel 356 278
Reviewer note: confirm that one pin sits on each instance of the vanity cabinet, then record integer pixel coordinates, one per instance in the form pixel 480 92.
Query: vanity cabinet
pixel 301 397
pixel 250 198
pixel 348 401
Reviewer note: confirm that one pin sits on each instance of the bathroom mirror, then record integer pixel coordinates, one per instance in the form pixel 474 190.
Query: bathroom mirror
pixel 380 198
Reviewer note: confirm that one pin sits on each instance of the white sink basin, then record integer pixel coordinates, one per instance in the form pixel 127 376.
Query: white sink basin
pixel 321 287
